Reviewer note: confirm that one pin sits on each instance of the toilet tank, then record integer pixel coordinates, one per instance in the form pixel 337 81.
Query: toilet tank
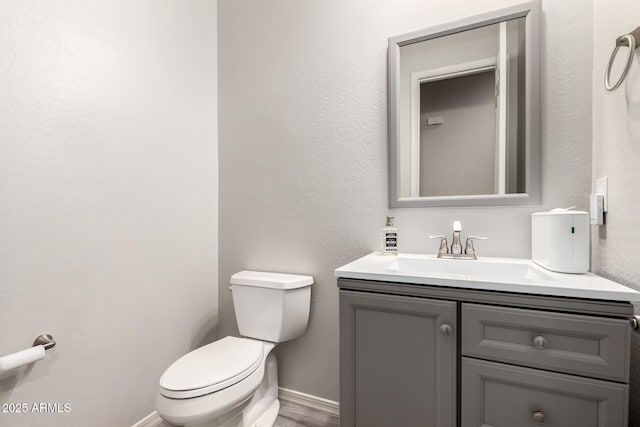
pixel 271 306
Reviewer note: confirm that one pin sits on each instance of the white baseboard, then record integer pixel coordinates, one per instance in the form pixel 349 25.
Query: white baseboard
pixel 151 420
pixel 325 406
pixel 314 403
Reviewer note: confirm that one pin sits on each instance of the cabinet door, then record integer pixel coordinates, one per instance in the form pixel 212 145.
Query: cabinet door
pixel 500 395
pixel 397 361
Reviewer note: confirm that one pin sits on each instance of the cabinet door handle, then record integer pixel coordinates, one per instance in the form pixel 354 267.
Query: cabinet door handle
pixel 446 329
pixel 540 342
pixel 539 417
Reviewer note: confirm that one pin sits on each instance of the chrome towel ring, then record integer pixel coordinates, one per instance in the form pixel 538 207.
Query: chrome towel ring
pixel 630 40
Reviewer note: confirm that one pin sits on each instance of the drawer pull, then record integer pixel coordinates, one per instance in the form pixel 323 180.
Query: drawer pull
pixel 446 329
pixel 538 417
pixel 539 342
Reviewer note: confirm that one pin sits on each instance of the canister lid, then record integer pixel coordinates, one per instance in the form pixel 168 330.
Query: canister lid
pixel 271 280
pixel 560 212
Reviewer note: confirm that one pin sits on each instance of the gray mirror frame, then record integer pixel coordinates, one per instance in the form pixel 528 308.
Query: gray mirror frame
pixel 530 10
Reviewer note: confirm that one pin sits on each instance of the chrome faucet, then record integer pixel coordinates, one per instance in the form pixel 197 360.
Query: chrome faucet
pixel 456 246
pixel 444 247
pixel 455 251
pixel 469 249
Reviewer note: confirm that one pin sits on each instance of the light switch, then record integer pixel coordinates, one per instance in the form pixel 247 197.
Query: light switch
pixel 602 187
pixel 596 212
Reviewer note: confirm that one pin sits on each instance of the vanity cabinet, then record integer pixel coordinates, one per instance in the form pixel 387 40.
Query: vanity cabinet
pixel 398 360
pixel 417 355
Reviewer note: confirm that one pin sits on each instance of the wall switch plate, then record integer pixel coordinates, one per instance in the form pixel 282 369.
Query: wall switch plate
pixel 596 211
pixel 602 187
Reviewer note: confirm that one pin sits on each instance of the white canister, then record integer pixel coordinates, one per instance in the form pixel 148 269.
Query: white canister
pixel 560 240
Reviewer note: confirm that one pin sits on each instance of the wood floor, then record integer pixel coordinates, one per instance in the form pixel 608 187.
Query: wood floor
pixel 280 422
pixel 292 415
pixel 287 422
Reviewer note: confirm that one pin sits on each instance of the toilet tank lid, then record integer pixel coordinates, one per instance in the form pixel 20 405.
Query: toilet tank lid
pixel 264 279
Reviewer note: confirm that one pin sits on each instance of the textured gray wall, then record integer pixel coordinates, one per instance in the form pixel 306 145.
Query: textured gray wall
pixel 616 154
pixel 108 189
pixel 303 148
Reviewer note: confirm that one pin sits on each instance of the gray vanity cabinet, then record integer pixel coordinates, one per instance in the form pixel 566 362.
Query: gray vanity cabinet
pixel 398 361
pixel 430 356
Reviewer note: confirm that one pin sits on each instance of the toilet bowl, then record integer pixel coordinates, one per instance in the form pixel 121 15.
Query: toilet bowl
pixel 233 382
pixel 213 385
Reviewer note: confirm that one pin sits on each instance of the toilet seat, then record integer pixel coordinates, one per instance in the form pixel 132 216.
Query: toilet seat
pixel 211 368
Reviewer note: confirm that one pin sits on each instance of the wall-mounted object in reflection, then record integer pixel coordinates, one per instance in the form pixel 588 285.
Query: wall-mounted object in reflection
pixel 479 74
pixel 435 121
pixel 631 41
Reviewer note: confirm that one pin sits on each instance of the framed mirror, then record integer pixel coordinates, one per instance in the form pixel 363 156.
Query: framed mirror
pixel 464 112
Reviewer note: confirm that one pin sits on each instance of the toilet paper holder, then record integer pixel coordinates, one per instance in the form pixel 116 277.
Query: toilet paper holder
pixel 28 356
pixel 44 340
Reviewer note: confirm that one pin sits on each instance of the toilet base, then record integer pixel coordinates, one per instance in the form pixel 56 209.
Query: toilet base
pixel 268 418
pixel 237 419
pixel 260 410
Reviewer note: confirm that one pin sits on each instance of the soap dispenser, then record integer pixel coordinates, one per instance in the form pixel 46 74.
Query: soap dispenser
pixel 389 238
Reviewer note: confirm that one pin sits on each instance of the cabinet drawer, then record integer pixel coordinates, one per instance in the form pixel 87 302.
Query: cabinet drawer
pixel 584 345
pixel 499 395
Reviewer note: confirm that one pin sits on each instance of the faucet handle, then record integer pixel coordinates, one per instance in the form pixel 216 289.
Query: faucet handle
pixel 444 247
pixel 469 249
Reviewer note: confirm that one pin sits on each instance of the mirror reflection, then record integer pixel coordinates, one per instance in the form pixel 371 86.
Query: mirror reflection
pixel 463 121
pixel 464 112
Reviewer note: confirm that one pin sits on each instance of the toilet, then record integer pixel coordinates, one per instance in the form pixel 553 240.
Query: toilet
pixel 233 382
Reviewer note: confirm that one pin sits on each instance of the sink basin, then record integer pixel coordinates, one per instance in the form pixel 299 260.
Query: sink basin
pixel 491 274
pixel 493 268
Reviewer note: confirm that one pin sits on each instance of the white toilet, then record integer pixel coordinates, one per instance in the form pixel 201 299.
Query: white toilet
pixel 233 382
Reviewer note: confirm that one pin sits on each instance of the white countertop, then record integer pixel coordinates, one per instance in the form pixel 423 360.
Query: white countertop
pixel 493 274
